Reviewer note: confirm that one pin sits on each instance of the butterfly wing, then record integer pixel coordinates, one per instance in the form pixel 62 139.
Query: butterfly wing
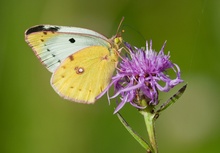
pixel 52 44
pixel 83 75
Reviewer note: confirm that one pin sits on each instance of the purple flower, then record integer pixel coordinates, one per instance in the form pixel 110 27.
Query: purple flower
pixel 140 75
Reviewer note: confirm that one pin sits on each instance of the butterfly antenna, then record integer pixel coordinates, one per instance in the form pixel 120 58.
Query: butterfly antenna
pixel 119 26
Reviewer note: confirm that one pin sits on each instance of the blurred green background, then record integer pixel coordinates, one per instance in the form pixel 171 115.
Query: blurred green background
pixel 34 119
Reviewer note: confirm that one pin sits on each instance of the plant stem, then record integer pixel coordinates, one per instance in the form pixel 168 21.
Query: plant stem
pixel 149 122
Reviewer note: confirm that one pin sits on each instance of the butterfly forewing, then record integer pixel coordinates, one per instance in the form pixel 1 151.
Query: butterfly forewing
pixel 53 44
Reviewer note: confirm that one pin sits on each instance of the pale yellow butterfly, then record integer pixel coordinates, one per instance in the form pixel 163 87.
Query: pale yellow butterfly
pixel 82 61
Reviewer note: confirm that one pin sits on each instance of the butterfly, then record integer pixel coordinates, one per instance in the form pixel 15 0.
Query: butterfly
pixel 81 61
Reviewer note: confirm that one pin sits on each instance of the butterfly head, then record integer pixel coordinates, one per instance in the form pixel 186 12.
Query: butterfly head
pixel 117 41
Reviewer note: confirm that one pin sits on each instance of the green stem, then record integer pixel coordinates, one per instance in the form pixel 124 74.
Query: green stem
pixel 149 118
pixel 149 121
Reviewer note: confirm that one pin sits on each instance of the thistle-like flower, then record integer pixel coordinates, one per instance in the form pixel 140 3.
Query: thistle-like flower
pixel 140 75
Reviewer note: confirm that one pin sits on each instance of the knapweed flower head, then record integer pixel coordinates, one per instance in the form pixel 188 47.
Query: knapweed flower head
pixel 140 75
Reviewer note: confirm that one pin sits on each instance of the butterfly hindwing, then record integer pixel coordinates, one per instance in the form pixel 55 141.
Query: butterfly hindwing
pixel 82 76
pixel 53 44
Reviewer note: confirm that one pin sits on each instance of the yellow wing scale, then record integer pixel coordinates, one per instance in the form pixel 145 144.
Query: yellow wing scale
pixel 85 74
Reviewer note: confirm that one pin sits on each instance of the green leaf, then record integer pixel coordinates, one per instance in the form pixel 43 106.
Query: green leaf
pixel 172 99
pixel 142 142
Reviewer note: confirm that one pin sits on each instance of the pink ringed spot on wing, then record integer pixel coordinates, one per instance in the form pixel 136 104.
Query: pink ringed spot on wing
pixel 79 70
